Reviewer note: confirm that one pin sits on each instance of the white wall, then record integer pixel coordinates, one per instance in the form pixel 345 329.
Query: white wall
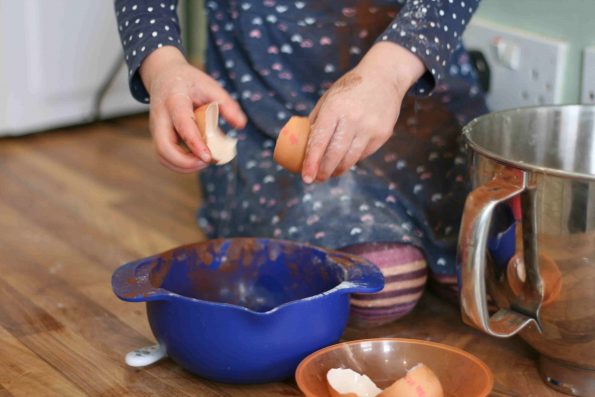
pixel 54 56
pixel 572 21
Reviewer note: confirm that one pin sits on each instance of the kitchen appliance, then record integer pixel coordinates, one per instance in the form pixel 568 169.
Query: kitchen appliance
pixel 540 162
pixel 244 310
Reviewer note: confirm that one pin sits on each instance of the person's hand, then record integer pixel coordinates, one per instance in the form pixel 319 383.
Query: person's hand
pixel 176 89
pixel 357 115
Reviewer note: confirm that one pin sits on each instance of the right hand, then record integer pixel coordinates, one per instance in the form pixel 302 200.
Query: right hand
pixel 176 89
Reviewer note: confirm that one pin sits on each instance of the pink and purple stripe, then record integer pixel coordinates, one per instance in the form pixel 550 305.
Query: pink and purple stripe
pixel 405 271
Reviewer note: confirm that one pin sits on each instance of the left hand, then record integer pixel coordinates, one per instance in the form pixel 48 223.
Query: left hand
pixel 357 115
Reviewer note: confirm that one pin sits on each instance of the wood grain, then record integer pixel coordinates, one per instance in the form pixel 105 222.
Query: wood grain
pixel 77 203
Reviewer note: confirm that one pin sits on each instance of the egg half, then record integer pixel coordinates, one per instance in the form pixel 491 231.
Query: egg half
pixel 222 146
pixel 290 148
pixel 420 381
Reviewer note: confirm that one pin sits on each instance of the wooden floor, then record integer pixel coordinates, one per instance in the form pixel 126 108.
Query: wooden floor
pixel 77 203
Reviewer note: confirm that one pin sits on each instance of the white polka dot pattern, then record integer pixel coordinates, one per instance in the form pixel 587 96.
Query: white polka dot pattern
pixel 429 28
pixel 432 30
pixel 144 26
pixel 276 57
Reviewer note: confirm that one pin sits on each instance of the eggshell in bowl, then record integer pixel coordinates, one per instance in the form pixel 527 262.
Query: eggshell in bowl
pixel 291 144
pixel 419 381
pixel 348 383
pixel 222 146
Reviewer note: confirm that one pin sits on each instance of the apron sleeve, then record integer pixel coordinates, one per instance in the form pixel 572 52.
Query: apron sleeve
pixel 432 30
pixel 144 26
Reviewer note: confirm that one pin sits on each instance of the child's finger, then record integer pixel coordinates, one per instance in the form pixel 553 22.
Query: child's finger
pixel 320 136
pixel 314 113
pixel 181 113
pixel 229 108
pixel 339 144
pixel 166 142
pixel 232 113
pixel 353 155
pixel 175 168
pixel 372 147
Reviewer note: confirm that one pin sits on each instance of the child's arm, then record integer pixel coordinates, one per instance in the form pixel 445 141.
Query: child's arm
pixel 160 74
pixel 360 110
pixel 358 113
pixel 176 88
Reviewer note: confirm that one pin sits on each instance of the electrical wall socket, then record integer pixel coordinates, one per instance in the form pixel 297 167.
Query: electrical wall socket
pixel 588 86
pixel 526 69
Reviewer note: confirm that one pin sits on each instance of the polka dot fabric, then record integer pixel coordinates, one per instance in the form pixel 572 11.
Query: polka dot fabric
pixel 432 30
pixel 145 26
pixel 277 57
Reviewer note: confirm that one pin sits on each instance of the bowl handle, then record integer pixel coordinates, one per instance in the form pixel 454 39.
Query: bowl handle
pixel 508 183
pixel 131 282
pixel 362 275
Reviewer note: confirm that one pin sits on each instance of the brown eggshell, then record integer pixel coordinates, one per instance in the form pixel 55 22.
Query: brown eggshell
pixel 419 381
pixel 200 115
pixel 344 382
pixel 333 393
pixel 291 144
pixel 222 147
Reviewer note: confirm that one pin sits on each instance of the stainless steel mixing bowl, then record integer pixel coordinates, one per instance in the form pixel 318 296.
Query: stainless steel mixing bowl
pixel 540 162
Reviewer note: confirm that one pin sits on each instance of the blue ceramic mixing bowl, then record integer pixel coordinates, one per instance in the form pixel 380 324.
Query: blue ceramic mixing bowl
pixel 246 310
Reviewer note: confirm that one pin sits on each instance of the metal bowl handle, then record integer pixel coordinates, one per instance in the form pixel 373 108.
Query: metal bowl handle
pixel 473 238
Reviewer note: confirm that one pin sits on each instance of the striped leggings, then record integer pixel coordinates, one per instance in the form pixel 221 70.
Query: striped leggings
pixel 406 274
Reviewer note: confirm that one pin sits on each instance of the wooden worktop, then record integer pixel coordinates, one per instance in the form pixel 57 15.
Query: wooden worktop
pixel 74 205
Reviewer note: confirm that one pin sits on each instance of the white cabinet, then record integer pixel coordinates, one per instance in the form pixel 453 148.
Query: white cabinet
pixel 54 57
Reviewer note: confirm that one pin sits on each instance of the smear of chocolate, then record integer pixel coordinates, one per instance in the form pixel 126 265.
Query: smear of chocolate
pixel 349 80
pixel 257 274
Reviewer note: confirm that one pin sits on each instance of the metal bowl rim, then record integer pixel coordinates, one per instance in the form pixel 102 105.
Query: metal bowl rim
pixel 518 164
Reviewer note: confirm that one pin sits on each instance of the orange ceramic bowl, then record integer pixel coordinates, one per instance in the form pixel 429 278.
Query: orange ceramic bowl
pixel 385 360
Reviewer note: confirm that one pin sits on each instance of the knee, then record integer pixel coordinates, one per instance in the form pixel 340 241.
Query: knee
pixel 405 271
